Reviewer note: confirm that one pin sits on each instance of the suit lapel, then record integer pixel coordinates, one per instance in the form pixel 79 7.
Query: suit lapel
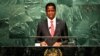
pixel 47 29
pixel 57 27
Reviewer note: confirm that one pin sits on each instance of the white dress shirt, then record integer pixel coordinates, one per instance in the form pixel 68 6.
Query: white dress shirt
pixel 49 23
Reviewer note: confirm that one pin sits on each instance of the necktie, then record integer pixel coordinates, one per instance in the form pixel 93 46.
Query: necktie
pixel 52 29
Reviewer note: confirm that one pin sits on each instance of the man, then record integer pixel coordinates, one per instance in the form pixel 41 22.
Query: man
pixel 51 26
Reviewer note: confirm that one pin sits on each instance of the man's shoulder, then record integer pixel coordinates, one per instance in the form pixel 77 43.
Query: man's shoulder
pixel 60 20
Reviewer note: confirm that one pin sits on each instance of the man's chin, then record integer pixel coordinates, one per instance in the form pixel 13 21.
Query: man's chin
pixel 51 18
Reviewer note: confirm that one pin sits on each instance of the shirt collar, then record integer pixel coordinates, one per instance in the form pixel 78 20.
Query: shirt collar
pixel 54 19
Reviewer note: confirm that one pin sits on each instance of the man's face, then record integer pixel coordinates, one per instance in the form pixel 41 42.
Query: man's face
pixel 50 12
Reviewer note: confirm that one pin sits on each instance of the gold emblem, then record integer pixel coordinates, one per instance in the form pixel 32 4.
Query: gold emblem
pixel 53 52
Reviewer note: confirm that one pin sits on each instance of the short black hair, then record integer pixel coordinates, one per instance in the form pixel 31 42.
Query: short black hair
pixel 50 4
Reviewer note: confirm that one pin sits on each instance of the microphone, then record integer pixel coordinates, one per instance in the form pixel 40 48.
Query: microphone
pixel 49 27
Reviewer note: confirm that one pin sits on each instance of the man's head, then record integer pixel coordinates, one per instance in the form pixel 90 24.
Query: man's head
pixel 50 10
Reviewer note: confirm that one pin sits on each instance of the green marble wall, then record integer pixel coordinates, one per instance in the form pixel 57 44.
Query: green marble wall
pixel 19 18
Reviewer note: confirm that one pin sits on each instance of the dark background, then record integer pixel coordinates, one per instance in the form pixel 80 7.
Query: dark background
pixel 39 51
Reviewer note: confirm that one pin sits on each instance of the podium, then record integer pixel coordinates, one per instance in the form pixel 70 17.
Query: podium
pixel 65 40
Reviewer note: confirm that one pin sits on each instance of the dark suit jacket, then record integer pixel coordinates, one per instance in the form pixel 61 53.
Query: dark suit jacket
pixel 61 29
